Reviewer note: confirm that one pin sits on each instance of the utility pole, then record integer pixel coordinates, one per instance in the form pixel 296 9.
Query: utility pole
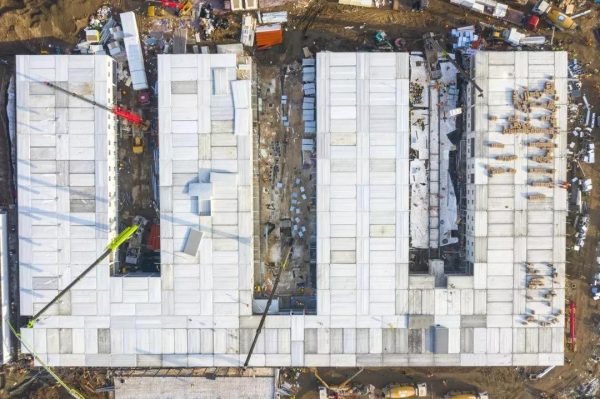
pixel 282 267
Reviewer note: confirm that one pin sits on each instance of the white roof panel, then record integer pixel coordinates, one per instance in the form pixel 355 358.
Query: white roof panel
pixel 202 302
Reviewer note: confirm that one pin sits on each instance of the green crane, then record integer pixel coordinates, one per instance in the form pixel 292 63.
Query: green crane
pixel 111 247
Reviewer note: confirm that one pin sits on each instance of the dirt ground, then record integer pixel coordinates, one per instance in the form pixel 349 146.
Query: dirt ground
pixel 28 26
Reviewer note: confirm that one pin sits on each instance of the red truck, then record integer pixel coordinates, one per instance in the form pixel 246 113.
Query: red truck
pixel 519 18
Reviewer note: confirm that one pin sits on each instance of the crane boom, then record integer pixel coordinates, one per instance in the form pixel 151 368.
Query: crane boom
pixel 168 4
pixel 120 112
pixel 112 246
pixel 282 267
pixel 453 61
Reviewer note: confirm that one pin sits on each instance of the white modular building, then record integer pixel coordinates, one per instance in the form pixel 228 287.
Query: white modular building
pixel 66 180
pixel 371 311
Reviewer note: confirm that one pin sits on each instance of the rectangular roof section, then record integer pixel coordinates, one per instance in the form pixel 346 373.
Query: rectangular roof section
pixel 67 210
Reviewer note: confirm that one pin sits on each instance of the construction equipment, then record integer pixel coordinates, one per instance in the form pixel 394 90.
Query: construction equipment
pixel 186 8
pixel 572 340
pixel 554 16
pixel 119 112
pixel 111 247
pixel 282 267
pixel 138 144
pixel 382 42
pixel 340 390
pixel 134 249
pixel 151 11
pixel 466 395
pixel 405 391
pixel 181 8
pixel 430 38
pixel 515 38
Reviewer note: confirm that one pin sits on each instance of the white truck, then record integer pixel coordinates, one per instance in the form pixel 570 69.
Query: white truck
pixel 515 38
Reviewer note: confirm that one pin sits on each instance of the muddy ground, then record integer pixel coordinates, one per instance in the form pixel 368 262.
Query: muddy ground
pixel 29 26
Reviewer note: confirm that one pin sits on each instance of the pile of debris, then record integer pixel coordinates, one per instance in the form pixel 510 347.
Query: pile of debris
pixel 101 34
pixel 299 202
pixel 416 93
pixel 208 22
pixel 589 388
pixel 464 38
pixel 583 148
pixel 582 224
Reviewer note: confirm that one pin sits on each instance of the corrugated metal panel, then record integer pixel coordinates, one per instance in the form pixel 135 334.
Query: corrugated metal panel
pixel 268 36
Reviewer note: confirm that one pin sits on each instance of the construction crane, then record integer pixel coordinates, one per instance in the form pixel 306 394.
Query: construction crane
pixel 282 267
pixel 431 38
pixel 119 112
pixel 340 390
pixel 111 247
pixel 182 8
